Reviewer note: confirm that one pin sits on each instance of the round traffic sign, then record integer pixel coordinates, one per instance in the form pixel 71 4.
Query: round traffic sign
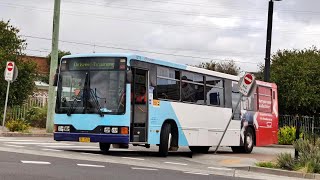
pixel 10 66
pixel 248 79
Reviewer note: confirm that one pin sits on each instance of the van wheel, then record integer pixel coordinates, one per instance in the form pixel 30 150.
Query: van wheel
pixel 164 140
pixel 104 147
pixel 199 149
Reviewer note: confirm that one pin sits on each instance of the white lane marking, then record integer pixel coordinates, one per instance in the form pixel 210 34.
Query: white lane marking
pixel 197 173
pixel 37 143
pixel 35 162
pixel 139 159
pixel 175 163
pixel 56 150
pixel 16 140
pixel 90 165
pixel 9 145
pixel 218 168
pixel 146 169
pixel 90 154
pixel 72 147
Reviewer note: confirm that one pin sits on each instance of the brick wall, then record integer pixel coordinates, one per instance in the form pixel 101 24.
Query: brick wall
pixel 42 64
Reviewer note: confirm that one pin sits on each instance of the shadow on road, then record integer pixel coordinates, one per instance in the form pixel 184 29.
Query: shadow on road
pixel 135 153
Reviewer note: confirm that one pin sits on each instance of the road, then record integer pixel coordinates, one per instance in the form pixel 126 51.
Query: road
pixel 43 158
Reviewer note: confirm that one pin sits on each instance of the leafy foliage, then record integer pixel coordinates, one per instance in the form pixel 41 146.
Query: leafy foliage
pixel 267 164
pixel 296 72
pixel 286 161
pixel 287 135
pixel 11 47
pixel 309 155
pixel 36 117
pixel 17 125
pixel 228 67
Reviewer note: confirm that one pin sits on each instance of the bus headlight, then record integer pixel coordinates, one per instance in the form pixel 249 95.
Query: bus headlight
pixel 106 130
pixel 114 130
pixel 63 128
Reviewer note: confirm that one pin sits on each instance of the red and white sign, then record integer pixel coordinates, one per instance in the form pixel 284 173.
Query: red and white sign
pixel 246 84
pixel 248 79
pixel 9 72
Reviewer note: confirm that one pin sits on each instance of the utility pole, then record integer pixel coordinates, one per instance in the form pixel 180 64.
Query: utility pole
pixel 268 43
pixel 53 66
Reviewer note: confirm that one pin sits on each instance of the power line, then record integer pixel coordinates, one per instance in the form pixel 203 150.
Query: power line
pixel 138 50
pixel 75 13
pixel 231 7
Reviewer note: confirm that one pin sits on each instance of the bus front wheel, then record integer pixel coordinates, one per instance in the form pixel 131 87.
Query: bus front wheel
pixel 164 140
pixel 104 147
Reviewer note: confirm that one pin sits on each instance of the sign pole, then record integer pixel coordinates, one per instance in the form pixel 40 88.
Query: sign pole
pixel 225 130
pixel 5 105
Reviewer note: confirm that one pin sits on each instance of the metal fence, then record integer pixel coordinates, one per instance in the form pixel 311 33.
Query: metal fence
pixel 308 124
pixel 19 112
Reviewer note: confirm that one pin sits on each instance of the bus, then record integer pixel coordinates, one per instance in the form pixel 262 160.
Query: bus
pixel 97 101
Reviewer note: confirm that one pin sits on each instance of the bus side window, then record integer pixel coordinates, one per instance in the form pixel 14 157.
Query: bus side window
pixel 214 91
pixel 168 83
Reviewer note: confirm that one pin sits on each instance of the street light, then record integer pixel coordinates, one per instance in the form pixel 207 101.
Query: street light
pixel 268 43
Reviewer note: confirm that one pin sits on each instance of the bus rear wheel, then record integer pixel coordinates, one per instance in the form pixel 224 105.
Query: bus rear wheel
pixel 104 147
pixel 164 140
pixel 248 143
pixel 199 149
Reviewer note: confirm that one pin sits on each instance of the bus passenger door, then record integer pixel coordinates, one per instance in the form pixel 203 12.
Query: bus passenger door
pixel 139 102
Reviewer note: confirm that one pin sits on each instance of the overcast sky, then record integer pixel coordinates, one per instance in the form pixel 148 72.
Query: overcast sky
pixel 183 31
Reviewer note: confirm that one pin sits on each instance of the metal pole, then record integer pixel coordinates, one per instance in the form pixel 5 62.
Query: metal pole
pixel 225 130
pixel 5 105
pixel 268 43
pixel 53 66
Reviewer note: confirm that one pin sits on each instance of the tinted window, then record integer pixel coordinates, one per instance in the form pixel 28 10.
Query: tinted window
pixel 213 81
pixel 168 83
pixel 192 88
pixel 214 91
pixel 168 89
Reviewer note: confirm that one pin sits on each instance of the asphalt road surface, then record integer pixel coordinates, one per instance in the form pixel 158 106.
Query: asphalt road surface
pixel 43 158
pixel 16 166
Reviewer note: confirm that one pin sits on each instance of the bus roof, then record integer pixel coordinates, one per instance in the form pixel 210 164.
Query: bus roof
pixel 159 62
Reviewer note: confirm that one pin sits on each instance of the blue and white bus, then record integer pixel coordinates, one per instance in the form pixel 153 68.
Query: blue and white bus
pixel 184 105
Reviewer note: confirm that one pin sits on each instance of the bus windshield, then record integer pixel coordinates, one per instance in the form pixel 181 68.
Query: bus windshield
pixel 91 85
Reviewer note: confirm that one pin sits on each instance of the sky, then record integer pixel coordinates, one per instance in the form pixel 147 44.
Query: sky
pixel 181 31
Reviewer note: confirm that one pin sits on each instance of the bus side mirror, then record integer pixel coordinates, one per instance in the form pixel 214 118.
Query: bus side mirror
pixel 129 76
pixel 55 78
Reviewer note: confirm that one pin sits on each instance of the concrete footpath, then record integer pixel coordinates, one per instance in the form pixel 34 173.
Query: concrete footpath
pixel 33 132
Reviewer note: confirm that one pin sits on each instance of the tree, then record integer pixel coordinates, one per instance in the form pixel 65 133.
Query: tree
pixel 228 67
pixel 45 77
pixel 11 47
pixel 297 72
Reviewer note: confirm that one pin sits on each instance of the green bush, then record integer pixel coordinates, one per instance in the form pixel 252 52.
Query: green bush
pixel 267 164
pixel 37 117
pixel 287 135
pixel 309 155
pixel 17 125
pixel 286 161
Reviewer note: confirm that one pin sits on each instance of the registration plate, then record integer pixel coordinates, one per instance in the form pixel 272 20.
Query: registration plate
pixel 84 139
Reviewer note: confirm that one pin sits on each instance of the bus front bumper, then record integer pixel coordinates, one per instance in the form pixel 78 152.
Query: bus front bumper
pixel 104 138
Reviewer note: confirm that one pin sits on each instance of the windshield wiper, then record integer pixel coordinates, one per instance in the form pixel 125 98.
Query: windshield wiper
pixel 86 94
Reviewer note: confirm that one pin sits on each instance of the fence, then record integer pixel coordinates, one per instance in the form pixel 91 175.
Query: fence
pixel 308 124
pixel 19 112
